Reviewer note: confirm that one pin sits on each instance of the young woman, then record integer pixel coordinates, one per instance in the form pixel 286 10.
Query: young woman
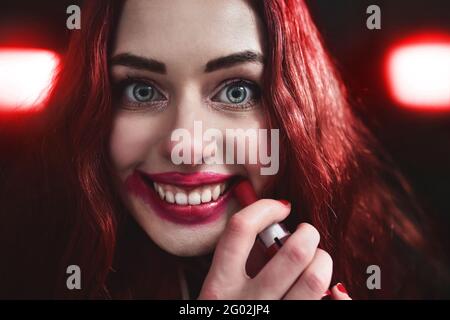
pixel 139 69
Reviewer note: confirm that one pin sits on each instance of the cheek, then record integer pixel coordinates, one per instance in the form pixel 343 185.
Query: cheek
pixel 258 181
pixel 253 171
pixel 131 141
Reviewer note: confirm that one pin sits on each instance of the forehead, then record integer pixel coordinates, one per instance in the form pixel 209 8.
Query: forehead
pixel 169 30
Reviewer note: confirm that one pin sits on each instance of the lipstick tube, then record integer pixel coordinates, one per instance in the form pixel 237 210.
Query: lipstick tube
pixel 272 237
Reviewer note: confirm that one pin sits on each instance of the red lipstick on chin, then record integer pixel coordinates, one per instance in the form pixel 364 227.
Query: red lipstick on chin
pixel 274 235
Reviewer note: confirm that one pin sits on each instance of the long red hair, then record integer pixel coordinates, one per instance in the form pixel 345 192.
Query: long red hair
pixel 60 206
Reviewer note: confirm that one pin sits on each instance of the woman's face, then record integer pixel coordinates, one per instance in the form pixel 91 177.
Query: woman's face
pixel 173 63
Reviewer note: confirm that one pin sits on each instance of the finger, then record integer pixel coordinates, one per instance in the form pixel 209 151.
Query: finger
pixel 290 261
pixel 326 295
pixel 256 259
pixel 338 292
pixel 236 242
pixel 315 280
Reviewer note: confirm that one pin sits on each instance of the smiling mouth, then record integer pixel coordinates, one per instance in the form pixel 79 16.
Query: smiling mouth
pixel 184 198
pixel 191 189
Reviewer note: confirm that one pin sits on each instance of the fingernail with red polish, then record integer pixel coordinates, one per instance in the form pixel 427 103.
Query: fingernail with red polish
pixel 285 202
pixel 327 293
pixel 341 288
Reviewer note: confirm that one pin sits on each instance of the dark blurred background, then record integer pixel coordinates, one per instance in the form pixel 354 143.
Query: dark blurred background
pixel 418 139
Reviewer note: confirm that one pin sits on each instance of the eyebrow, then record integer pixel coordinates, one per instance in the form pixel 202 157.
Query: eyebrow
pixel 138 62
pixel 234 59
pixel 149 64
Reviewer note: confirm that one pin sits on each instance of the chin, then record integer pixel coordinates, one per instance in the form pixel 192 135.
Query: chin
pixel 188 249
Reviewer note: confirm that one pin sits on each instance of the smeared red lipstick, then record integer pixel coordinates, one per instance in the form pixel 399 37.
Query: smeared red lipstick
pixel 187 179
pixel 140 184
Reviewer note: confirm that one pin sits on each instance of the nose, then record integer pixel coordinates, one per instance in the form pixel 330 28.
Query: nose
pixel 185 144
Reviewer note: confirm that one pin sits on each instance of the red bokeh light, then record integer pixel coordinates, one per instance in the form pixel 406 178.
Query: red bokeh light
pixel 25 77
pixel 418 72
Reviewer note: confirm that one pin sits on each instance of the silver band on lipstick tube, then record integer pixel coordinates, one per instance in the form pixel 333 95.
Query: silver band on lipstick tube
pixel 268 235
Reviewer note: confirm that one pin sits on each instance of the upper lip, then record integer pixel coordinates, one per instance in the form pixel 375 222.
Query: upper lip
pixel 187 179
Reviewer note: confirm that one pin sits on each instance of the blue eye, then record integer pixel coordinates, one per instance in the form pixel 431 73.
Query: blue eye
pixel 238 93
pixel 139 92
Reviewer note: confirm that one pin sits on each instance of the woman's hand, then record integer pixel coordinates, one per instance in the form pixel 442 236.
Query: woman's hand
pixel 338 292
pixel 299 270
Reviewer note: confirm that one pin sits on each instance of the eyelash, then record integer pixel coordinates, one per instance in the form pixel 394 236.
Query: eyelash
pixel 121 87
pixel 238 106
pixel 120 92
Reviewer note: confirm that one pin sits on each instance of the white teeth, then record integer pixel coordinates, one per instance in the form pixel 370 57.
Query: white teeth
pixel 206 195
pixel 216 192
pixel 194 198
pixel 181 198
pixel 161 192
pixel 170 197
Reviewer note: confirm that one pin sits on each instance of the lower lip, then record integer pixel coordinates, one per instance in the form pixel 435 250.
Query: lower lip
pixel 188 214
